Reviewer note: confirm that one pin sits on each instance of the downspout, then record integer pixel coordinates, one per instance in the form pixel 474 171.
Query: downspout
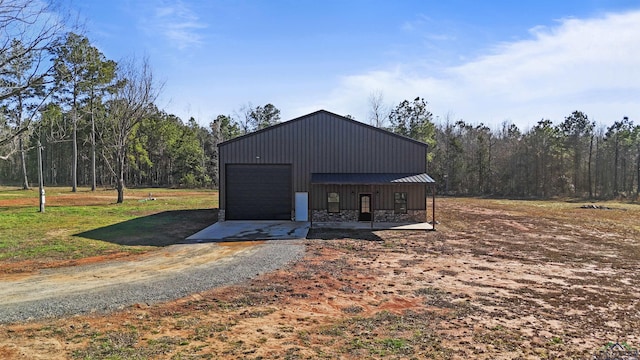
pixel 309 212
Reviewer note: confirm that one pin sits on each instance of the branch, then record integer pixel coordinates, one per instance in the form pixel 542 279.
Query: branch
pixel 12 137
pixel 106 160
pixel 7 156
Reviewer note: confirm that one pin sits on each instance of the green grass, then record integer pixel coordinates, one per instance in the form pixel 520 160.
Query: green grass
pixel 83 224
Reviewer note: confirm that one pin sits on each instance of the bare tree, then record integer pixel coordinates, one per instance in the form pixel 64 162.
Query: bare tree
pixel 131 102
pixel 82 74
pixel 101 72
pixel 243 118
pixel 33 25
pixel 20 104
pixel 378 111
pixel 264 116
pixel 251 118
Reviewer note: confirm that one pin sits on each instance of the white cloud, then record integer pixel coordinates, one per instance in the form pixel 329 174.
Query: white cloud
pixel 177 23
pixel 415 24
pixel 592 65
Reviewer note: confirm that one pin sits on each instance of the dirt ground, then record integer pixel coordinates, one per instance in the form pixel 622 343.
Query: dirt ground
pixel 34 285
pixel 498 280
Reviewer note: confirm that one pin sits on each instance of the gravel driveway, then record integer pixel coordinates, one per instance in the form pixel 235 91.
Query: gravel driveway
pixel 167 274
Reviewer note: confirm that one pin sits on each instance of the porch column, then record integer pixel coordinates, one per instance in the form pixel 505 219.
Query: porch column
pixel 372 209
pixel 433 204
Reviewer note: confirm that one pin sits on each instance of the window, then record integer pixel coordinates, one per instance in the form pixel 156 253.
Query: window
pixel 333 202
pixel 400 203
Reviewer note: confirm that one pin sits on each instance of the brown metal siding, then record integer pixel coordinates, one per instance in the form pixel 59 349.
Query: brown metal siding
pixel 383 196
pixel 324 142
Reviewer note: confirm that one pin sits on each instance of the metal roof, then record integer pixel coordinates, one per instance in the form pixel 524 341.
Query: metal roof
pixel 370 178
pixel 288 122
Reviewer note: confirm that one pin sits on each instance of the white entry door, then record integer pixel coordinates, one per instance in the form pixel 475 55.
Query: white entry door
pixel 302 206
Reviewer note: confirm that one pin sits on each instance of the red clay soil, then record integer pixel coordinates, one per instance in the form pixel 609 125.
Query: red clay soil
pixel 25 267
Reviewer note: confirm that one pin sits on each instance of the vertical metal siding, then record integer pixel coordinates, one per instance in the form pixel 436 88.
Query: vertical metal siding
pixel 384 195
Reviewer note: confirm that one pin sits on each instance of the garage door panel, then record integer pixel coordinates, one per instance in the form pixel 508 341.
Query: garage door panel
pixel 258 192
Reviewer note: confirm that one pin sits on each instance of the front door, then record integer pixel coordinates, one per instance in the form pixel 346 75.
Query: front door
pixel 365 207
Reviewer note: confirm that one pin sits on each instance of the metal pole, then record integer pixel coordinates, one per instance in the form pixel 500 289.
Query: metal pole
pixel 433 204
pixel 40 177
pixel 371 204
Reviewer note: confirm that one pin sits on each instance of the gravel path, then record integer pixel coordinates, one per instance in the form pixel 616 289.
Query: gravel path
pixel 167 274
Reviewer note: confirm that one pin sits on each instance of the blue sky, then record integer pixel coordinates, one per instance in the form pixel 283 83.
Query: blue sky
pixel 481 61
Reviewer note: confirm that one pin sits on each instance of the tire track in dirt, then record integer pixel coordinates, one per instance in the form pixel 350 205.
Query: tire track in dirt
pixel 166 274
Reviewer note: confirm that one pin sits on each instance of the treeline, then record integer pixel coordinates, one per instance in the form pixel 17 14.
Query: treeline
pixel 576 157
pixel 161 150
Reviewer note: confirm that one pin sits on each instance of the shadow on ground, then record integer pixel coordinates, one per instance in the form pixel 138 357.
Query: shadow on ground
pixel 338 234
pixel 162 229
pixel 249 230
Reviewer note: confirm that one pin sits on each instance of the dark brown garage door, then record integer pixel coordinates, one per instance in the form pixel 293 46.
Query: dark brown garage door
pixel 258 192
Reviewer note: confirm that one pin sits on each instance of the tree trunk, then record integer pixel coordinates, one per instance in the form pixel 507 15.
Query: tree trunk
pixel 489 173
pixel 624 176
pixel 589 168
pixel 638 172
pixel 120 180
pixel 615 169
pixel 40 178
pixel 23 162
pixel 120 188
pixel 74 161
pixel 598 178
pixel 93 153
pixel 25 181
pixel 576 167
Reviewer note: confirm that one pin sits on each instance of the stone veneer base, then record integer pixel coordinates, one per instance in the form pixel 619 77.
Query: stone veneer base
pixel 390 216
pixel 379 216
pixel 342 216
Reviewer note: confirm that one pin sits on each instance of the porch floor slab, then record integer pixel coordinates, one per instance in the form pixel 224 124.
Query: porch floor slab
pixel 364 225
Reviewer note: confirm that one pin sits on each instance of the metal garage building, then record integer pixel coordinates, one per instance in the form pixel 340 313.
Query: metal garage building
pixel 324 167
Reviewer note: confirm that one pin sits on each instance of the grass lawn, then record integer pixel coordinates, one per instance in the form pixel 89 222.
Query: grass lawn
pixel 89 224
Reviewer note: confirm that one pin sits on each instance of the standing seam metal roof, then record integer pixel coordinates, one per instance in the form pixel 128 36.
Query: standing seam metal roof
pixel 371 178
pixel 284 123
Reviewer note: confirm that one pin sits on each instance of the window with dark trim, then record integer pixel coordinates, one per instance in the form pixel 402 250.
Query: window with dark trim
pixel 400 203
pixel 333 202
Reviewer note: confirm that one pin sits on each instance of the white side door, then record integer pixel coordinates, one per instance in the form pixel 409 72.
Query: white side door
pixel 302 206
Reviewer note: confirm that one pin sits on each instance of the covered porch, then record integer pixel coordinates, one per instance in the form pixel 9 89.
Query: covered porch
pixel 372 201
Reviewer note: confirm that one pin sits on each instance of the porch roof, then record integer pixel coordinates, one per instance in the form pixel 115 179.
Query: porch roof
pixel 371 178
